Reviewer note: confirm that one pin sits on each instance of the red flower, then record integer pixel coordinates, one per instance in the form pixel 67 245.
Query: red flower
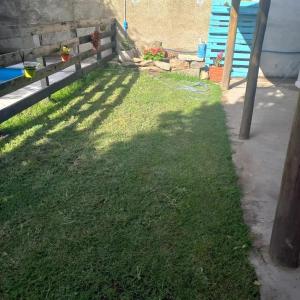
pixel 220 55
pixel 155 51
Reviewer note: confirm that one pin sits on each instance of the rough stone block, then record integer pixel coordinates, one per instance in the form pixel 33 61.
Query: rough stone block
pixel 197 64
pixel 189 57
pixel 177 64
pixel 146 63
pixel 126 56
pixel 137 60
pixel 163 65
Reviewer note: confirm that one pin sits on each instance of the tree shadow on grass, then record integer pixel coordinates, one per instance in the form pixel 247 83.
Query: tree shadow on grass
pixel 89 212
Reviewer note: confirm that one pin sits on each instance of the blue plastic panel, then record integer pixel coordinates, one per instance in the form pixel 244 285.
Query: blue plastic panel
pixel 7 74
pixel 218 33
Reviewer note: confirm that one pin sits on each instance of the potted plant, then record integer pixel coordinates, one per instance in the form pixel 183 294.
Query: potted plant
pixel 216 70
pixel 30 69
pixel 102 26
pixel 155 54
pixel 65 53
pixel 95 39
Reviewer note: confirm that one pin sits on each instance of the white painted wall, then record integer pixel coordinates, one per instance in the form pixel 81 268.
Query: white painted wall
pixel 282 37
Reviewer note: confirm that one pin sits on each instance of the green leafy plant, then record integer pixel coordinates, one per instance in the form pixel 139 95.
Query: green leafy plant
pixel 102 26
pixel 127 45
pixel 155 54
pixel 218 60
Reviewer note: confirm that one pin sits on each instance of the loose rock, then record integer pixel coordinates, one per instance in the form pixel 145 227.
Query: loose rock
pixel 146 63
pixel 163 65
pixel 189 57
pixel 137 60
pixel 177 64
pixel 197 65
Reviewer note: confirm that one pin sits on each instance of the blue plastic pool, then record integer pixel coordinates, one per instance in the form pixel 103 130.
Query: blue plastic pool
pixel 9 74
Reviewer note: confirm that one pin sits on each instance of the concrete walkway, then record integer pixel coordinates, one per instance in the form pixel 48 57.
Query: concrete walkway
pixel 259 162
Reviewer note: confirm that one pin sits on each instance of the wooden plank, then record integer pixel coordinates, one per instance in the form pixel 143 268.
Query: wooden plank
pixel 114 35
pixel 226 10
pixel 239 57
pixel 242 26
pixel 242 38
pixel 239 74
pixel 237 48
pixel 17 83
pixel 226 18
pixel 97 29
pixel 224 30
pixel 230 43
pixel 87 38
pixel 236 63
pixel 33 53
pixel 262 19
pixel 236 56
pixel 285 241
pixel 229 3
pixel 10 111
pixel 38 40
pixel 76 49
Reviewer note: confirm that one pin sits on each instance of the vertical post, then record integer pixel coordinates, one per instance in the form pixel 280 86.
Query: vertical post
pixel 38 41
pixel 285 241
pixel 97 28
pixel 114 35
pixel 234 14
pixel 262 18
pixel 76 48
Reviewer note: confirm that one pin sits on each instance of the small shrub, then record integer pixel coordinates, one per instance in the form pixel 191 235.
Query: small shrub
pixel 127 45
pixel 154 54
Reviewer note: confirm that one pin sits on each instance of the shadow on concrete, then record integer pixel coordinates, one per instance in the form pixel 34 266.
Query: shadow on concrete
pixel 259 162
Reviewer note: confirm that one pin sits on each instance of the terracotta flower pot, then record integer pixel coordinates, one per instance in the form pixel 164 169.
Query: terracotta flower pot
pixel 215 73
pixel 65 57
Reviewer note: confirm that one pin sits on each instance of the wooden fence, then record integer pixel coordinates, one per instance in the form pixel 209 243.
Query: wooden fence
pixel 39 54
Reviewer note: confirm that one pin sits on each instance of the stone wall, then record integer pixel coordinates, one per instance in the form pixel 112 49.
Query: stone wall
pixel 178 24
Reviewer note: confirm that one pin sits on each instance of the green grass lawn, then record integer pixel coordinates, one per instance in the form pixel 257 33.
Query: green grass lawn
pixel 122 186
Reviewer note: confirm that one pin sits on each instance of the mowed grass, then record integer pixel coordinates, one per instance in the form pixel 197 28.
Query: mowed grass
pixel 122 186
